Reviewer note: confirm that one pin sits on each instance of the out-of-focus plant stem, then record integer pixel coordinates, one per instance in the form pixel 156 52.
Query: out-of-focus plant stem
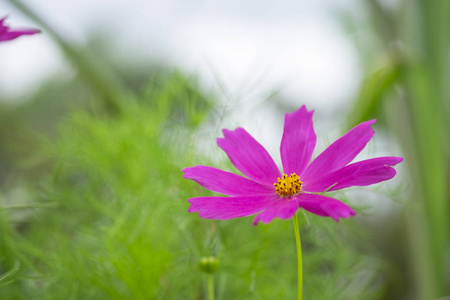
pixel 430 185
pixel 426 85
pixel 210 287
pixel 4 279
pixel 384 21
pixel 104 83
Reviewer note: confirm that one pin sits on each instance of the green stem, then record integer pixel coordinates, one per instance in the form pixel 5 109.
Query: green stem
pixel 210 287
pixel 299 258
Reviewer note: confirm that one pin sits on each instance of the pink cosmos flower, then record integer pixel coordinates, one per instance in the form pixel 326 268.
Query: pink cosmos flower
pixel 272 194
pixel 6 34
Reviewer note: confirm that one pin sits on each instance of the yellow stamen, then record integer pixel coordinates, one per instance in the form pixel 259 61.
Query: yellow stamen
pixel 288 186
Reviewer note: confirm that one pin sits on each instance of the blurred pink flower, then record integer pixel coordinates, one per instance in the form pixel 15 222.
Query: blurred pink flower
pixel 265 190
pixel 6 34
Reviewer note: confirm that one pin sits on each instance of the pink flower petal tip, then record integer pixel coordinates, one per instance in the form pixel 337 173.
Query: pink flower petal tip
pixel 7 34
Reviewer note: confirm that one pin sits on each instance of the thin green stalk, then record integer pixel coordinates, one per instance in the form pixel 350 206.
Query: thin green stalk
pixel 210 287
pixel 299 258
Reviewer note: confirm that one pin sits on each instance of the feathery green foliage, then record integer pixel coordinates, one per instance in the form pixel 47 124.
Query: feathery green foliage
pixel 116 224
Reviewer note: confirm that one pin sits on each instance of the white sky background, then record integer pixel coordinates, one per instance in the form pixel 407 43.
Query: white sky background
pixel 293 45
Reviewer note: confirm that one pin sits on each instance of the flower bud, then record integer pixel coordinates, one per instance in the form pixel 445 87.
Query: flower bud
pixel 208 264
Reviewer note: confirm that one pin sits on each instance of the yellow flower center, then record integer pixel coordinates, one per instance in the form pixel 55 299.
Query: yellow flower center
pixel 288 186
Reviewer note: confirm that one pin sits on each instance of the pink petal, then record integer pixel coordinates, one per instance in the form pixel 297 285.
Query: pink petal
pixel 223 208
pixel 340 153
pixel 249 157
pixel 362 173
pixel 325 206
pixel 280 208
pixel 225 182
pixel 7 34
pixel 298 142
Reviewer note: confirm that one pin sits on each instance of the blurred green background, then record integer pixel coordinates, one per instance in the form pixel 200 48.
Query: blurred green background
pixel 93 204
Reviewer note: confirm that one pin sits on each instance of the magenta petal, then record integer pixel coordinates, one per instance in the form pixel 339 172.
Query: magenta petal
pixel 298 142
pixel 225 182
pixel 362 173
pixel 280 208
pixel 340 153
pixel 325 206
pixel 7 34
pixel 249 157
pixel 223 208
